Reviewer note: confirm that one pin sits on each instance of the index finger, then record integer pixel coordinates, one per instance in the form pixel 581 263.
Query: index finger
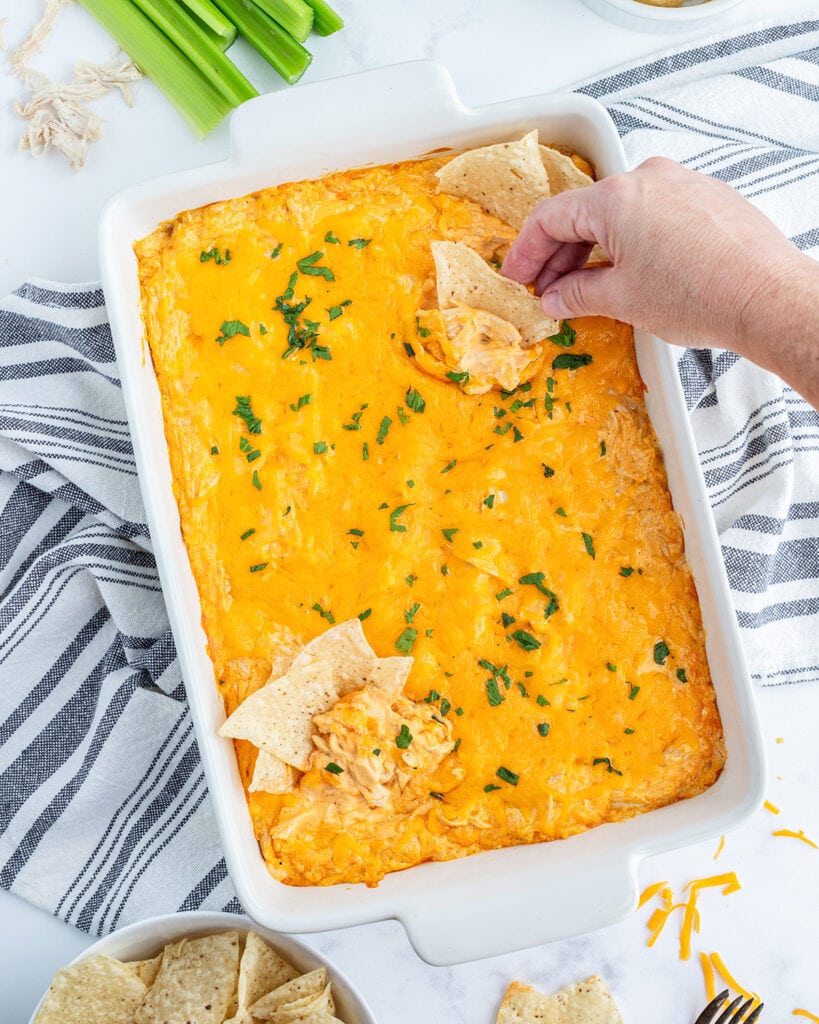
pixel 553 222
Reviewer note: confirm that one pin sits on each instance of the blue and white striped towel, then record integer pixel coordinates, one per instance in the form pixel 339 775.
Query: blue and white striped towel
pixel 104 813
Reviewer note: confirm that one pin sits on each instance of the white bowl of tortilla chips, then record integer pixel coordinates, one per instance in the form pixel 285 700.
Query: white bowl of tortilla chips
pixel 661 15
pixel 204 968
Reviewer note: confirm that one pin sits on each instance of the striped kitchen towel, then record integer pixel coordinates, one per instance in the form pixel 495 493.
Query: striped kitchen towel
pixel 104 812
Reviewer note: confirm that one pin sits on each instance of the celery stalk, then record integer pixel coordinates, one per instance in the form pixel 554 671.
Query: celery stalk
pixel 277 47
pixel 294 16
pixel 326 21
pixel 183 29
pixel 199 103
pixel 222 31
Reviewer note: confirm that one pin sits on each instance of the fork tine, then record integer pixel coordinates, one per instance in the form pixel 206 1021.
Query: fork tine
pixel 712 1008
pixel 752 1017
pixel 738 1016
pixel 727 1016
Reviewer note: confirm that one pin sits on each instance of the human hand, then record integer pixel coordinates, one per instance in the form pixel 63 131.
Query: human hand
pixel 692 261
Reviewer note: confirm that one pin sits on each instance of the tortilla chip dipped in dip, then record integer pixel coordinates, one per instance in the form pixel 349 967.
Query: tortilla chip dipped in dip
pixel 442 581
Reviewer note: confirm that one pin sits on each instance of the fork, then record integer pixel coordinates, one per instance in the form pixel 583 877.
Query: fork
pixel 732 1014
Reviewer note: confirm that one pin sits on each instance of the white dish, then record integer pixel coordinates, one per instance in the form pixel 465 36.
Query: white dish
pixel 646 18
pixel 501 900
pixel 145 939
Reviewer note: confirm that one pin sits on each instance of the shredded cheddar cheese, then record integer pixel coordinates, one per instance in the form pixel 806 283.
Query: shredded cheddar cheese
pixel 728 882
pixel 771 807
pixel 806 1013
pixel 708 976
pixel 720 847
pixel 790 834
pixel 731 981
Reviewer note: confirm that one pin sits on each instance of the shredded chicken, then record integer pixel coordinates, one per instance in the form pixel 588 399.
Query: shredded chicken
pixel 57 113
pixel 486 346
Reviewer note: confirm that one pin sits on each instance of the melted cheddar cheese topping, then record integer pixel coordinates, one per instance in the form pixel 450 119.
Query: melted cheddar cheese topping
pixel 522 547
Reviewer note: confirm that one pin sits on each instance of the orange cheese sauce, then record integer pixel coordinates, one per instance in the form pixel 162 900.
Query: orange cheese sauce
pixel 424 522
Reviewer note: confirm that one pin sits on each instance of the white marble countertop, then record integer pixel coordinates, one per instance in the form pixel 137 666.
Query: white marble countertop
pixel 767 933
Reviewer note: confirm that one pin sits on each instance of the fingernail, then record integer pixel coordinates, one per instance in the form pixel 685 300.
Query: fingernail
pixel 552 304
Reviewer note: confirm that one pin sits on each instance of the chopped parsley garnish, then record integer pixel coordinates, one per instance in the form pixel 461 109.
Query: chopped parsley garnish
pixel 489 500
pixel 436 796
pixel 542 700
pixel 477 544
pixel 536 579
pixel 683 678
pixel 290 289
pixel 445 570
pixel 331 238
pixel 252 456
pixel 404 737
pixel 551 607
pixel 257 483
pixel 589 544
pixel 422 331
pixel 449 465
pixel 493 694
pixel 431 697
pixel 565 339
pixel 661 652
pixel 560 512
pixel 356 533
pixel 607 762
pixel 410 483
pixel 287 511
pixel 402 416
pixel 365 614
pixel 550 385
pixel 501 594
pixel 628 732
pixel 336 311
pixel 409 349
pixel 277 251
pixel 519 404
pixel 518 435
pixel 626 570
pixel 450 533
pixel 571 360
pixel 324 614
pixel 446 706
pixel 459 377
pixel 525 640
pixel 359 243
pixel 215 450
pixel 333 768
pixel 457 745
pixel 409 580
pixel 365 451
pixel 610 667
pixel 415 400
pixel 301 402
pixel 507 776
pixel 377 751
pixel 355 423
pixel 499 413
pixel 395 526
pixel 319 447
pixel 490 787
pixel 230 328
pixel 501 430
pixel 543 728
pixel 405 643
pixel 522 689
pixel 213 254
pixel 459 711
pixel 633 691
pixel 410 613
pixel 383 430
pixel 258 567
pixel 602 449
pixel 547 470
pixel 248 533
pixel 307 266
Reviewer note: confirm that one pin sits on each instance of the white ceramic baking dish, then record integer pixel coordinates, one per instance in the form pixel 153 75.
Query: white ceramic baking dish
pixel 497 901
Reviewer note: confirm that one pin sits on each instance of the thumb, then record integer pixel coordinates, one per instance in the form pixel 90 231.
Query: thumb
pixel 585 292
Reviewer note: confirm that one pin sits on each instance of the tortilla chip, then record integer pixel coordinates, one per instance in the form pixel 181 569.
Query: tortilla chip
pixel 147 970
pixel 308 1008
pixel 195 983
pixel 304 986
pixel 345 647
pixel 279 717
pixel 97 990
pixel 261 970
pixel 506 180
pixel 389 674
pixel 271 774
pixel 585 1002
pixel 562 171
pixel 464 279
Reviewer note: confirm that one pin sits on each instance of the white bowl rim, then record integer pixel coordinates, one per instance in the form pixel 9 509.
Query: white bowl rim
pixel 146 938
pixel 706 9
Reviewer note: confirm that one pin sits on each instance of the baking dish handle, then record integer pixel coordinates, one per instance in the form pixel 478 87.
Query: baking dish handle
pixel 494 920
pixel 355 112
